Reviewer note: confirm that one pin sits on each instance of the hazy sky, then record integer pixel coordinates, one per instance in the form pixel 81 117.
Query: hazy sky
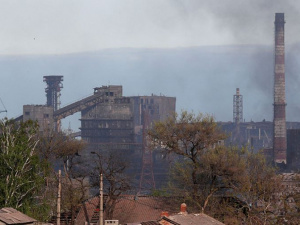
pixel 64 26
pixel 202 79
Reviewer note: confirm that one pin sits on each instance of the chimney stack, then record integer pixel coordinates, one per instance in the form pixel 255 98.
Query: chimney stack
pixel 164 214
pixel 279 123
pixel 183 208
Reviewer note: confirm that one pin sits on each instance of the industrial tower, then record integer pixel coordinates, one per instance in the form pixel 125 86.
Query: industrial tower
pixel 238 107
pixel 52 90
pixel 279 123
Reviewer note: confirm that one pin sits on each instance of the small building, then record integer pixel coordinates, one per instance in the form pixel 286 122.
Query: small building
pixel 183 218
pixel 9 216
pixel 40 113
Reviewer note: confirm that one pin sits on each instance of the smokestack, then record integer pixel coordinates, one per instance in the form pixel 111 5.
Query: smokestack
pixel 279 123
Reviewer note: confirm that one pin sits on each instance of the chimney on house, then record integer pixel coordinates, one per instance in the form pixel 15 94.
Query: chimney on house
pixel 164 214
pixel 183 209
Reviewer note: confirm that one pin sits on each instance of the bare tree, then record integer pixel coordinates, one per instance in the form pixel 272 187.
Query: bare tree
pixel 207 173
pixel 116 182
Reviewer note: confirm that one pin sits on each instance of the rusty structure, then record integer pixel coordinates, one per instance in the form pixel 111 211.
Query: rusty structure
pixel 279 122
pixel 238 107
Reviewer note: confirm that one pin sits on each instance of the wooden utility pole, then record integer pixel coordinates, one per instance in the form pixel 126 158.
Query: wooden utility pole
pixel 58 198
pixel 101 200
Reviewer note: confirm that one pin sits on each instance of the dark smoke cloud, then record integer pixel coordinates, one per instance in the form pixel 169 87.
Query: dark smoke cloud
pixel 247 22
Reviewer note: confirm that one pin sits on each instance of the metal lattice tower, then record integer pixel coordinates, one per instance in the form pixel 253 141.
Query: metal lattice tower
pixel 147 181
pixel 238 107
pixel 52 90
pixel 279 123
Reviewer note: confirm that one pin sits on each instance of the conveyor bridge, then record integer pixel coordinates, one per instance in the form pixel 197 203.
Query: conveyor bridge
pixel 79 106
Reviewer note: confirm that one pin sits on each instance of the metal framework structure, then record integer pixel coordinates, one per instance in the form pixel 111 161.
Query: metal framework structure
pixel 279 123
pixel 238 107
pixel 52 90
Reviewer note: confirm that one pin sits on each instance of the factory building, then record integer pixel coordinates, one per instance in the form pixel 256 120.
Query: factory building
pixel 293 149
pixel 110 120
pixel 41 113
pixel 116 122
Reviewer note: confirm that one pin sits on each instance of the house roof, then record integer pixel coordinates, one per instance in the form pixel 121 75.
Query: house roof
pixel 191 219
pixel 129 209
pixel 13 216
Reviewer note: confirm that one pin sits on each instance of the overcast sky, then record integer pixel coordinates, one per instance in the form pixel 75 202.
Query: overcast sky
pixel 202 79
pixel 64 26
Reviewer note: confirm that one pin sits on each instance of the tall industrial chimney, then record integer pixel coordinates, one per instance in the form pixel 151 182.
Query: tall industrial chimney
pixel 279 123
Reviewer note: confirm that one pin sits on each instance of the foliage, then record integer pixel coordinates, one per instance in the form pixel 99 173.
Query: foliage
pixel 75 182
pixel 190 137
pixel 58 150
pixel 234 185
pixel 20 166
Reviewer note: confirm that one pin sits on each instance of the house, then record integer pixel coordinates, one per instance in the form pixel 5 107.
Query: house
pixel 182 218
pixel 142 210
pixel 9 216
pixel 129 209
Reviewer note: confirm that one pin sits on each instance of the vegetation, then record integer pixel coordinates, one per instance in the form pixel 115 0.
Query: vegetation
pixel 234 185
pixel 20 178
pixel 62 151
pixel 116 182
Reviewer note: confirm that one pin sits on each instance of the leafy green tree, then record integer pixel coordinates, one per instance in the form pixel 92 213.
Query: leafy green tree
pixel 20 166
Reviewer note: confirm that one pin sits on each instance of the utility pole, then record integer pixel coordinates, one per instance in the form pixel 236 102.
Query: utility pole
pixel 100 193
pixel 101 200
pixel 58 198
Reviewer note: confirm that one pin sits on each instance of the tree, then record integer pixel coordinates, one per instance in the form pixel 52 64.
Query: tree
pixel 190 136
pixel 116 182
pixel 259 189
pixel 61 151
pixel 209 174
pixel 75 183
pixel 20 166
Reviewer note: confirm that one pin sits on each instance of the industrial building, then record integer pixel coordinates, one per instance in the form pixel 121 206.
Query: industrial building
pixel 41 113
pixel 111 121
